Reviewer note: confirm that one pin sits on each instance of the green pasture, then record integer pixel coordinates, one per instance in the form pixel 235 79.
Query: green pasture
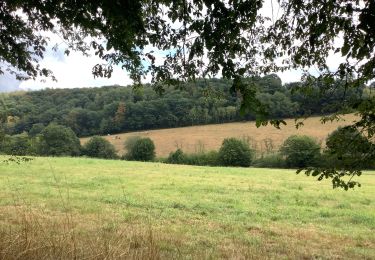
pixel 198 212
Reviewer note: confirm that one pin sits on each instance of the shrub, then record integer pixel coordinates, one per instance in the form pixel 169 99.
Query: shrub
pixel 234 152
pixel 210 158
pixel 270 161
pixel 300 151
pixel 16 144
pixel 142 149
pixel 100 148
pixel 177 157
pixel 203 159
pixel 57 140
pixel 130 142
pixel 346 148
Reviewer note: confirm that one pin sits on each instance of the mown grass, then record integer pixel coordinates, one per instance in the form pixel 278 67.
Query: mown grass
pixel 85 208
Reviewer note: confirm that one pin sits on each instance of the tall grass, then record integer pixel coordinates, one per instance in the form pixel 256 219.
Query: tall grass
pixel 37 235
pixel 75 208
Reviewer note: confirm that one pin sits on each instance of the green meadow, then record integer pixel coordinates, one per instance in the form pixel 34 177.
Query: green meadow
pixel 65 208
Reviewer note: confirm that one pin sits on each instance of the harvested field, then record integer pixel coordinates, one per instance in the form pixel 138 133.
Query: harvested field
pixel 209 137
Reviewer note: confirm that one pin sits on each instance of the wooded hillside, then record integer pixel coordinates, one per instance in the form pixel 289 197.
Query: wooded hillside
pixel 116 109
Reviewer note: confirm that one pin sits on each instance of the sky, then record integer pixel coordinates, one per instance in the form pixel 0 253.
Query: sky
pixel 74 71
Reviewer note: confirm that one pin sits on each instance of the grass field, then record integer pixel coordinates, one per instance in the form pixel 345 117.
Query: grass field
pixel 65 208
pixel 209 137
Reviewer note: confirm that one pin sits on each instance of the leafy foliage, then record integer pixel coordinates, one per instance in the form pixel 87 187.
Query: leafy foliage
pixel 130 143
pixel 274 160
pixel 300 151
pixel 36 129
pixel 99 147
pixel 210 158
pixel 347 152
pixel 202 39
pixel 15 145
pixel 341 153
pixel 141 149
pixel 197 38
pixel 108 110
pixel 336 175
pixel 57 140
pixel 235 152
pixel 176 157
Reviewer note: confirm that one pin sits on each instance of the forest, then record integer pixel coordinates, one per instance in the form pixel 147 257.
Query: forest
pixel 115 109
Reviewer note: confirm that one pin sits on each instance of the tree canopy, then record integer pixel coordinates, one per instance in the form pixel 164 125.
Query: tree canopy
pixel 180 40
pixel 199 38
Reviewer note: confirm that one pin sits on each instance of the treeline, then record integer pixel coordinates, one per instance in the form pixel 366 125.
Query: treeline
pixel 108 110
pixel 295 152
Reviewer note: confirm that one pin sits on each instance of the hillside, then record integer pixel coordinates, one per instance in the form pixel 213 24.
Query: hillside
pixel 118 109
pixel 209 137
pixel 76 208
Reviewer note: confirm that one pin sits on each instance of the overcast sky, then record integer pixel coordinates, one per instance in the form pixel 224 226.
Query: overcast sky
pixel 75 71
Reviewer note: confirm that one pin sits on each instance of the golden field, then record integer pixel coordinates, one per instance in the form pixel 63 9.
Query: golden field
pixel 193 139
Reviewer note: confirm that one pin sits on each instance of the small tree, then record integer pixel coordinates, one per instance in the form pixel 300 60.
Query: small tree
pixel 140 149
pixel 177 157
pixel 300 151
pixel 235 152
pixel 16 144
pixel 57 140
pixel 130 142
pixel 100 148
pixel 340 150
pixel 36 129
pixel 119 119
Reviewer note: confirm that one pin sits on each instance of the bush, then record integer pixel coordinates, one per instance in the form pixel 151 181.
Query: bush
pixel 234 152
pixel 300 151
pixel 270 161
pixel 16 144
pixel 177 157
pixel 130 142
pixel 57 140
pixel 347 148
pixel 211 158
pixel 203 159
pixel 140 149
pixel 100 148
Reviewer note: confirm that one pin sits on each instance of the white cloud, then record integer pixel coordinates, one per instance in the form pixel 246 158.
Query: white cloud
pixel 8 83
pixel 75 71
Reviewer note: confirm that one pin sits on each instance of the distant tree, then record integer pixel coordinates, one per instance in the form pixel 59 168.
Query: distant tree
pixel 99 147
pixel 130 142
pixel 234 39
pixel 176 157
pixel 340 152
pixel 16 144
pixel 83 121
pixel 119 119
pixel 142 149
pixel 300 151
pixel 36 129
pixel 57 140
pixel 107 126
pixel 235 152
pixel 2 135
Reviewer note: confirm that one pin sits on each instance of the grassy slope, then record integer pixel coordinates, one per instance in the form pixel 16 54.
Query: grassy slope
pixel 150 210
pixel 193 138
